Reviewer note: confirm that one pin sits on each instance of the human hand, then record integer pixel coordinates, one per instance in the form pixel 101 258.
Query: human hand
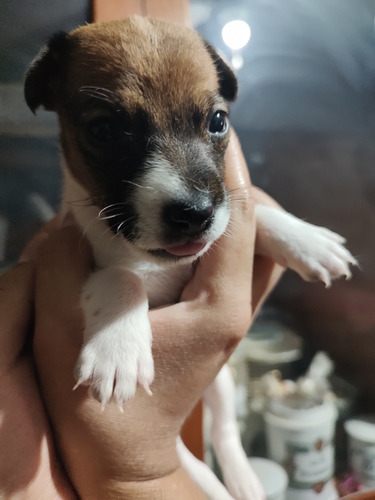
pixel 29 467
pixel 112 454
pixel 108 452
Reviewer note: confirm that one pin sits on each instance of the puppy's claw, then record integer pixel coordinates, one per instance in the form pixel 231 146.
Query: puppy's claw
pixel 77 384
pixel 147 388
pixel 354 262
pixel 327 283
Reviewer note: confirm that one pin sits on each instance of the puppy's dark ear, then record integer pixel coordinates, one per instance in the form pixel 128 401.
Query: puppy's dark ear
pixel 227 78
pixel 44 74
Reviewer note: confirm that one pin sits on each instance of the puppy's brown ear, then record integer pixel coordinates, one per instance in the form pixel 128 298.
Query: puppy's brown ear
pixel 44 74
pixel 227 79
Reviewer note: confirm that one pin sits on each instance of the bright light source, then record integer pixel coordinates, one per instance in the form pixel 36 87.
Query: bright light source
pixel 237 61
pixel 236 34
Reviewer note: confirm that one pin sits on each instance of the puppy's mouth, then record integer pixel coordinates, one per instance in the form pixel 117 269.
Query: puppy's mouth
pixel 187 249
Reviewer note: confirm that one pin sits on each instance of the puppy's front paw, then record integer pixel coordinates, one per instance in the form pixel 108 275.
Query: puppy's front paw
pixel 114 362
pixel 315 253
pixel 320 255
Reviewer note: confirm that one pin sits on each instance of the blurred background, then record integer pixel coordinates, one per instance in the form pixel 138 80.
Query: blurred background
pixel 306 119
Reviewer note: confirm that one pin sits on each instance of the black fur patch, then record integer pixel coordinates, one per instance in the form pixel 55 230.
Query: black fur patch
pixel 45 73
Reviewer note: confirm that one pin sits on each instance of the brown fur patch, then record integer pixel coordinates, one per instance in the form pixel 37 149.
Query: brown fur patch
pixel 139 65
pixel 146 63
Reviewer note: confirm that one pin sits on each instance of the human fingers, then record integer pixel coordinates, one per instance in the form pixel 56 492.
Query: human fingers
pixel 16 299
pixel 28 464
pixel 266 275
pixel 16 296
pixel 63 264
pixel 62 267
pixel 30 251
pixel 16 303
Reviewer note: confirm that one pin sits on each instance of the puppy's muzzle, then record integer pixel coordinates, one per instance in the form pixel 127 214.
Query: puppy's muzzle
pixel 189 219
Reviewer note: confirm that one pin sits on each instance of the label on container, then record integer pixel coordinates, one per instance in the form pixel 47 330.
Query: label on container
pixel 309 465
pixel 363 462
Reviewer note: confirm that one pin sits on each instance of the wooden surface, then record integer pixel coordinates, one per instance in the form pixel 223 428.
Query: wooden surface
pixel 177 11
pixel 192 432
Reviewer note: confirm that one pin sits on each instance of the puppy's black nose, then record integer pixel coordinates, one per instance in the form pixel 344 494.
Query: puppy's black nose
pixel 189 219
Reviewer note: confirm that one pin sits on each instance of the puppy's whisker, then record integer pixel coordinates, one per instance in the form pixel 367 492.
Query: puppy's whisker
pixel 138 185
pixel 110 216
pixel 96 88
pixel 99 93
pixel 111 207
pixel 120 226
pixel 123 223
pixel 201 190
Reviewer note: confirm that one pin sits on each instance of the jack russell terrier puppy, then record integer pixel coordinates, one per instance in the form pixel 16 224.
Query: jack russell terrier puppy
pixel 143 111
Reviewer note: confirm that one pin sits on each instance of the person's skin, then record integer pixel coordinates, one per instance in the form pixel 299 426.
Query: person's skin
pixel 111 454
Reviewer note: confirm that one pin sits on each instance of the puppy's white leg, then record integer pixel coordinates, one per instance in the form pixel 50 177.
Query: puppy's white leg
pixel 239 477
pixel 116 354
pixel 315 253
pixel 202 474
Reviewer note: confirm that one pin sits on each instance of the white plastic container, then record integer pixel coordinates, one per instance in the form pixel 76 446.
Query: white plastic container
pixel 361 444
pixel 301 440
pixel 272 476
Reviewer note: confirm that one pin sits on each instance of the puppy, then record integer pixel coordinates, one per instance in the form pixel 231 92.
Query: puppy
pixel 143 109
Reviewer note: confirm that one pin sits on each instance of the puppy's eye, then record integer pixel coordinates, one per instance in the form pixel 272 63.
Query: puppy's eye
pixel 218 124
pixel 105 130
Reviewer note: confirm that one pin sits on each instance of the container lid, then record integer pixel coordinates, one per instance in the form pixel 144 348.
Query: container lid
pixel 270 342
pixel 296 419
pixel 271 475
pixel 361 428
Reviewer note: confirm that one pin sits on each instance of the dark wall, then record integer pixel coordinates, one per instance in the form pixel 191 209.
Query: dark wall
pixel 306 119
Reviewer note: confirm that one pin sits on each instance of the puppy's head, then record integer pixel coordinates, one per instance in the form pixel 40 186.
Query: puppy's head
pixel 143 110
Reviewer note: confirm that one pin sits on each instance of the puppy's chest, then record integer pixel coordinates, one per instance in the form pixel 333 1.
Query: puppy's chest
pixel 164 286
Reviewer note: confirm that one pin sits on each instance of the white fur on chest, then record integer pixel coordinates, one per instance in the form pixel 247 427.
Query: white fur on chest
pixel 164 286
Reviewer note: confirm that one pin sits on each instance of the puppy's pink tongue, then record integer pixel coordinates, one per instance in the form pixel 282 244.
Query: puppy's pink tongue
pixel 186 249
